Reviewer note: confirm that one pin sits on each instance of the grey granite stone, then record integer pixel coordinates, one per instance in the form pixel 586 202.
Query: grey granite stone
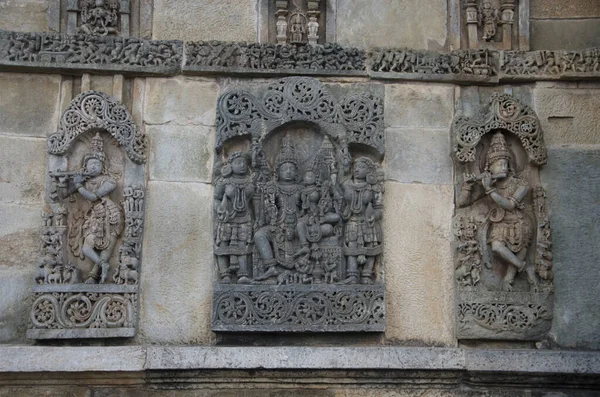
pixel 573 187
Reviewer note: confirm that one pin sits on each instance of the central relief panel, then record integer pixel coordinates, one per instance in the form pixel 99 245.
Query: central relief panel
pixel 298 206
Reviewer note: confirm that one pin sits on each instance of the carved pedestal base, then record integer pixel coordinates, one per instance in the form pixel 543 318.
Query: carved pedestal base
pixel 299 308
pixel 83 311
pixel 504 315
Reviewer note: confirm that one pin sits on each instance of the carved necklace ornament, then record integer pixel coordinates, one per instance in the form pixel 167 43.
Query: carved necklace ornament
pixel 301 248
pixel 86 286
pixel 501 225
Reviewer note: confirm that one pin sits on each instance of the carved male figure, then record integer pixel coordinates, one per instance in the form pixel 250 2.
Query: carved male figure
pixel 510 230
pixel 98 17
pixel 233 198
pixel 94 234
pixel 488 16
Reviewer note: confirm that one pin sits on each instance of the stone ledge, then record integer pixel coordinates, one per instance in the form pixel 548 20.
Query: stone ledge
pixel 149 358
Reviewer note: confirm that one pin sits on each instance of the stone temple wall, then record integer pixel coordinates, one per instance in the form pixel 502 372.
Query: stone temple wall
pixel 175 351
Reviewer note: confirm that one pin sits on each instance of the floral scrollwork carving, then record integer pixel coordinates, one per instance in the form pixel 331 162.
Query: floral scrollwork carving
pixel 96 110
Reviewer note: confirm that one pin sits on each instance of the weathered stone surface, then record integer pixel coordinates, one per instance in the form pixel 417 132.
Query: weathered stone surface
pixel 19 235
pixel 230 20
pixel 418 156
pixel 386 23
pixel 22 169
pixel 180 101
pixel 24 15
pixel 45 391
pixel 419 105
pixel 418 262
pixel 569 116
pixel 29 103
pixel 541 9
pixel 181 153
pixel 178 241
pixel 15 284
pixel 573 187
pixel 564 34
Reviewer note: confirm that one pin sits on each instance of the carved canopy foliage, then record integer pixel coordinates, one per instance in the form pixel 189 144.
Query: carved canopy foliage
pixel 93 110
pixel 241 113
pixel 504 112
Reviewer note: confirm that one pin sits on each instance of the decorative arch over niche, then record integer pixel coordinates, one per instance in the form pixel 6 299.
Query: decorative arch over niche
pixel 298 237
pixel 502 231
pixel 503 112
pixel 86 284
pixel 94 110
pixel 242 113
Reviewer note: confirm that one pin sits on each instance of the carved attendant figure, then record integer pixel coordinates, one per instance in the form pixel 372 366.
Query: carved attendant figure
pixel 510 228
pixel 488 16
pixel 362 212
pixel 233 196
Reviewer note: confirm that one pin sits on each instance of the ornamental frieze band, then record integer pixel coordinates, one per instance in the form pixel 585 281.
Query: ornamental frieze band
pixel 298 207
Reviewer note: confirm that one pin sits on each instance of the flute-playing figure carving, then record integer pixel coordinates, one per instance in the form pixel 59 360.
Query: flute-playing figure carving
pixel 510 229
pixel 100 222
pixel 233 199
pixel 362 212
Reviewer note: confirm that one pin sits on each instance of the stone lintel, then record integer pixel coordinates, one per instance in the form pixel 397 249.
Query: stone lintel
pixel 81 287
pixel 80 333
pixel 146 358
pixel 210 70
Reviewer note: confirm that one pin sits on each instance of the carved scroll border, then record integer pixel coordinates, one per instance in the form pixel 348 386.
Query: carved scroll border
pixel 503 112
pixel 94 110
pixel 241 113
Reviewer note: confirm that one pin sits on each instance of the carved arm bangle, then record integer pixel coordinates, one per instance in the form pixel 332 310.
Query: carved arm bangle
pixel 490 191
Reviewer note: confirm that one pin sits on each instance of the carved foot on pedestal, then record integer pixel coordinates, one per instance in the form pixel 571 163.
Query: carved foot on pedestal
pixel 272 272
pixel 91 280
pixel 225 280
pixel 506 286
pixel 244 280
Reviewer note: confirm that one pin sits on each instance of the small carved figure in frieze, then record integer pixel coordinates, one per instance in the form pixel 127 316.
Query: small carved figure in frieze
pixel 362 213
pixel 99 17
pixel 234 192
pixel 97 227
pixel 488 18
pixel 510 229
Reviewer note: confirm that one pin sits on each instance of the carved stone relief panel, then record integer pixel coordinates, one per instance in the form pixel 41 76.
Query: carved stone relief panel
pixel 91 236
pixel 298 209
pixel 503 238
pixel 98 17
pixel 297 21
pixel 492 24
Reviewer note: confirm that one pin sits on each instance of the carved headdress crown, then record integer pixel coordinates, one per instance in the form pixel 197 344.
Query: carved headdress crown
pixel 235 155
pixel 498 149
pixel 96 150
pixel 286 153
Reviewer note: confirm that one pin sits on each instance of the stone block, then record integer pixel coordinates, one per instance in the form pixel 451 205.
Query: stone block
pixel 15 287
pixel 24 15
pixel 181 153
pixel 29 103
pixel 418 263
pixel 19 235
pixel 180 101
pixel 572 183
pixel 45 391
pixel 177 276
pixel 565 34
pixel 569 116
pixel 418 156
pixel 22 169
pixel 191 20
pixel 392 23
pixel 560 9
pixel 419 105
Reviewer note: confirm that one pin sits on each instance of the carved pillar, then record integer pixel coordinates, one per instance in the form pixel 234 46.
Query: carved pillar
pixel 503 237
pixel 282 22
pixel 298 205
pixel 313 21
pixel 471 20
pixel 507 18
pixel 72 12
pixel 86 285
pixel 125 11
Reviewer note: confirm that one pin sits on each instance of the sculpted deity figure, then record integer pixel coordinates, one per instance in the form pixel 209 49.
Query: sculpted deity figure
pixel 234 192
pixel 95 229
pixel 297 28
pixel 488 17
pixel 363 203
pixel 510 229
pixel 99 17
pixel 275 241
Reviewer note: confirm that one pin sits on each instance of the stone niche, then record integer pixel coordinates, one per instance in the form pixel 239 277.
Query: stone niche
pixel 298 208
pixel 494 24
pixel 98 17
pixel 297 21
pixel 86 284
pixel 503 238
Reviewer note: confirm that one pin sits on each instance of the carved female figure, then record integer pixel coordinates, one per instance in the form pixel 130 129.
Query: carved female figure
pixel 93 235
pixel 510 230
pixel 362 212
pixel 233 197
